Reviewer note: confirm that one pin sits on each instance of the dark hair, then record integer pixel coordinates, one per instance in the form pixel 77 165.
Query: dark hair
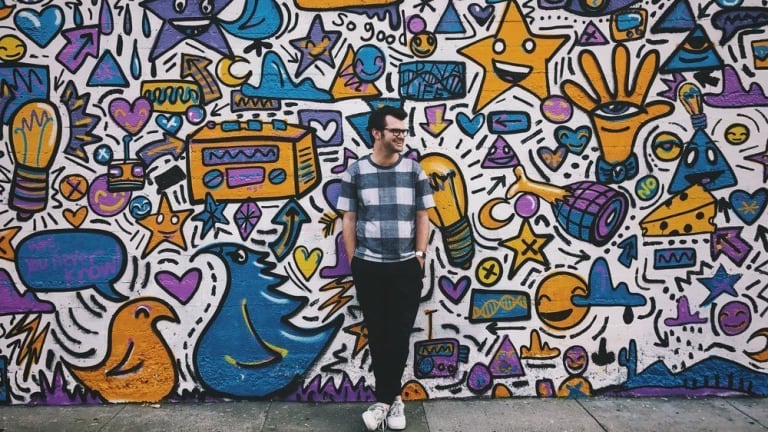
pixel 378 120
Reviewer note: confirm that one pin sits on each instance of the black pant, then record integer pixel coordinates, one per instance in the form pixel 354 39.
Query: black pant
pixel 389 295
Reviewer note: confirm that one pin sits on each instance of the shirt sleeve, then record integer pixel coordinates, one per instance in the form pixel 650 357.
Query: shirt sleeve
pixel 347 200
pixel 424 198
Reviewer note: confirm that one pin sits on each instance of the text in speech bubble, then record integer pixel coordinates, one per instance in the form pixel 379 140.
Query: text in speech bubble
pixel 71 260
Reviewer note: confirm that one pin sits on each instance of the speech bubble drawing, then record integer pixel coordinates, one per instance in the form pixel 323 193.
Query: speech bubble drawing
pixel 730 21
pixel 71 260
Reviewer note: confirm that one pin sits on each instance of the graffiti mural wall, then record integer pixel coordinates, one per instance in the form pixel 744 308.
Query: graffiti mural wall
pixel 169 171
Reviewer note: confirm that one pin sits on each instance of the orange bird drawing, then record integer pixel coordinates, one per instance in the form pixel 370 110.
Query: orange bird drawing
pixel 138 366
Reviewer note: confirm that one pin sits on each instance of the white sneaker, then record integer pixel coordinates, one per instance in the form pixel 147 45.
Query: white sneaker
pixel 396 415
pixel 376 416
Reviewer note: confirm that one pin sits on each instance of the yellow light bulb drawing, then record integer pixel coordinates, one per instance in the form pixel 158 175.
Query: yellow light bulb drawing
pixel 35 137
pixel 691 98
pixel 450 212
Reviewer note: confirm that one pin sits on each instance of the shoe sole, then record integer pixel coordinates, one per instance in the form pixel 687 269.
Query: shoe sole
pixel 368 424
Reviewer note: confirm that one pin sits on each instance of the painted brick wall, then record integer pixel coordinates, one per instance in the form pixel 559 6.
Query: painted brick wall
pixel 169 172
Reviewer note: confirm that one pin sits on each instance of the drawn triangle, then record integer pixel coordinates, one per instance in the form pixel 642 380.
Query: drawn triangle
pixel 684 59
pixel 107 73
pixel 505 362
pixel 592 36
pixel 677 18
pixel 450 22
pixel 347 85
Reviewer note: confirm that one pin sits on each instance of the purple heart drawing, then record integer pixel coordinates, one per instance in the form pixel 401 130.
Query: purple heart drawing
pixel 181 288
pixel 481 14
pixel 454 291
pixel 131 117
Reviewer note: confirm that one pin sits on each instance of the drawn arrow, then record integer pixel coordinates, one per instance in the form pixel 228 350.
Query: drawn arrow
pixel 582 256
pixel 436 122
pixel 494 328
pixel 195 67
pixel 81 43
pixel 628 248
pixel 168 145
pixel 498 181
pixel 705 78
pixel 762 235
pixel 504 122
pixel 292 216
pixel 702 10
pixel 728 241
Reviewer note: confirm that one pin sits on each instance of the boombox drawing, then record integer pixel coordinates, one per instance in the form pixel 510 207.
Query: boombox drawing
pixel 251 160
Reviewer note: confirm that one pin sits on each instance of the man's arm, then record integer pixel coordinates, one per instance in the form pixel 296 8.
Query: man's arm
pixel 348 223
pixel 422 232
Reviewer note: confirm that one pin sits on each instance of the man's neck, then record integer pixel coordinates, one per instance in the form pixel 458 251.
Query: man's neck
pixel 384 158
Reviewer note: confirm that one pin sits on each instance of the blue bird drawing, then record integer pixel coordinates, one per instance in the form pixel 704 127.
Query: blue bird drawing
pixel 249 348
pixel 260 19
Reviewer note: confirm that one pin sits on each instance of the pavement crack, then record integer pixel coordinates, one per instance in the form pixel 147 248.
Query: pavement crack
pixel 590 414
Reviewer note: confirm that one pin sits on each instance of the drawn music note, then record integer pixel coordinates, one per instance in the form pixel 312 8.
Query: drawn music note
pixel 340 168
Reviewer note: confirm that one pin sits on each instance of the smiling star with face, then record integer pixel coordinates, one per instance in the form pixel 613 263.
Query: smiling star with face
pixel 513 57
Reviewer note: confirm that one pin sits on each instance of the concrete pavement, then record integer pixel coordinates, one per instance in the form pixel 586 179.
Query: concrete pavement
pixel 473 415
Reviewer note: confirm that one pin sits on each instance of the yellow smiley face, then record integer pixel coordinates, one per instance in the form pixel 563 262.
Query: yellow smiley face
pixel 423 44
pixel 12 48
pixel 554 300
pixel 736 134
pixel 667 146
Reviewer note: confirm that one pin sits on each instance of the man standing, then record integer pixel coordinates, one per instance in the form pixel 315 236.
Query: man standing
pixel 385 227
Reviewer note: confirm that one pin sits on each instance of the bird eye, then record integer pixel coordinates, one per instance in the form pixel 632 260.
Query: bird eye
pixel 241 256
pixel 141 311
pixel 179 5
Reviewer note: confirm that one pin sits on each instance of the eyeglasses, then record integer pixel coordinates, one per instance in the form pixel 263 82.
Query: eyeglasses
pixel 397 132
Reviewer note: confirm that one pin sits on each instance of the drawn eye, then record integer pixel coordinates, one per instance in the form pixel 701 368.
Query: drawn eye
pixel 691 156
pixel 206 7
pixel 242 255
pixel 179 5
pixel 499 46
pixel 141 311
pixel 175 220
pixel 529 45
pixel 160 218
pixel 711 156
pixel 616 110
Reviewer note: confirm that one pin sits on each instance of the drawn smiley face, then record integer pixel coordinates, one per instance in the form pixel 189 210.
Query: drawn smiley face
pixel 12 48
pixel 736 134
pixel 423 44
pixel 734 318
pixel 554 300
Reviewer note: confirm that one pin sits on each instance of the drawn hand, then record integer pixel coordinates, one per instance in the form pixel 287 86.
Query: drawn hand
pixel 617 115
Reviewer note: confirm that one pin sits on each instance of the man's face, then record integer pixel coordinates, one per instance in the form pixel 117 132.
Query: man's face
pixel 393 142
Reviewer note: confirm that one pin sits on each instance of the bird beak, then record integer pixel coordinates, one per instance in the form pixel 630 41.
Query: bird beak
pixel 162 311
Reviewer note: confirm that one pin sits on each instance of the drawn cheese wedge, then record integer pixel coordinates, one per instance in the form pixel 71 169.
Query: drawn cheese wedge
pixel 692 211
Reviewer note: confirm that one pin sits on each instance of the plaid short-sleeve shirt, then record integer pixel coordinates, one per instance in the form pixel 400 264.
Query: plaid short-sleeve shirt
pixel 386 200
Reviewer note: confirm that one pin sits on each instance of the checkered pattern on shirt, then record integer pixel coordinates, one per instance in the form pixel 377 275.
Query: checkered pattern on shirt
pixel 386 200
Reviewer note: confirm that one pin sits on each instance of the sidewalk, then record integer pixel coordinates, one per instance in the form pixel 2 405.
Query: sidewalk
pixel 474 415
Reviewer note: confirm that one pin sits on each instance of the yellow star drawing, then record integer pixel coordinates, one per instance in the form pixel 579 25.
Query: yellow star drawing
pixel 6 250
pixel 165 225
pixel 527 246
pixel 513 56
pixel 360 331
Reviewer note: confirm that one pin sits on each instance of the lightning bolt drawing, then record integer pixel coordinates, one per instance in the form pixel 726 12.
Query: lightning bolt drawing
pixel 32 345
pixel 338 300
